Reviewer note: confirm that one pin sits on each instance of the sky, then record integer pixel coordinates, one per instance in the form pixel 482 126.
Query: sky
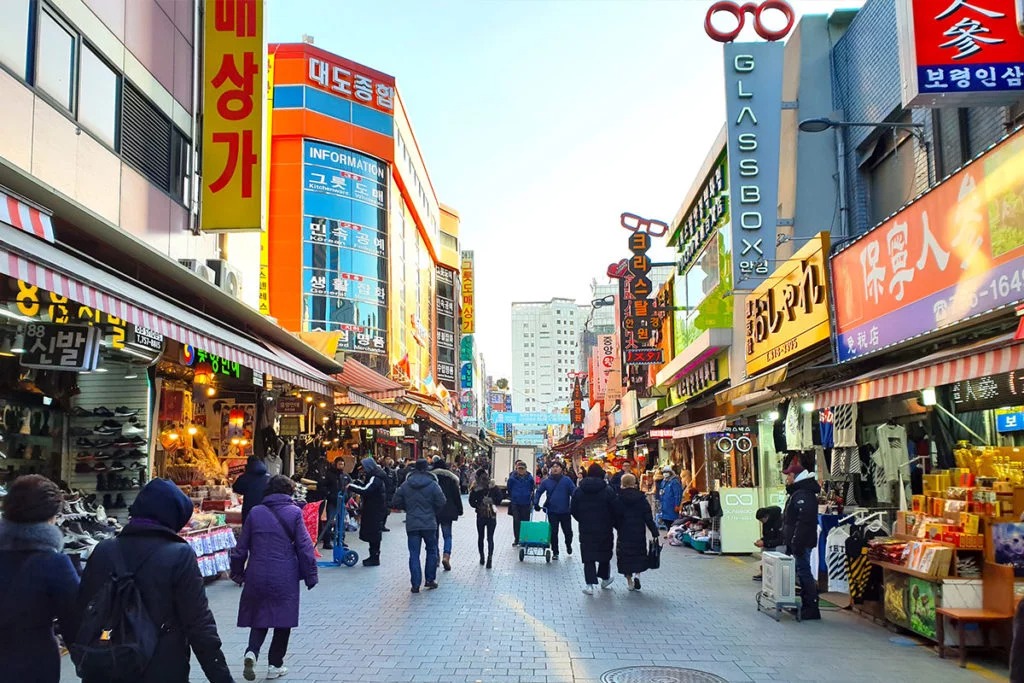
pixel 540 122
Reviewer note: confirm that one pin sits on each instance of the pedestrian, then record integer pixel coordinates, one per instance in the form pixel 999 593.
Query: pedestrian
pixel 336 480
pixel 375 508
pixel 671 496
pixel 627 468
pixel 452 510
pixel 167 576
pixel 464 482
pixel 771 532
pixel 484 498
pixel 520 488
pixel 39 582
pixel 571 473
pixel 558 490
pixel 274 553
pixel 390 486
pixel 422 499
pixel 800 531
pixel 251 484
pixel 593 506
pixel 633 518
pixel 405 471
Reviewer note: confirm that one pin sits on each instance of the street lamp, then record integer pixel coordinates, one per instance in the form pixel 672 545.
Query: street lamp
pixel 820 125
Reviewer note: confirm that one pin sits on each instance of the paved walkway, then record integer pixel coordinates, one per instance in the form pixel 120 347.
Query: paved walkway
pixel 529 623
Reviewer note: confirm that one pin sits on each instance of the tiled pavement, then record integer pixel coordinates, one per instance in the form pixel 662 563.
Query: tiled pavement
pixel 528 622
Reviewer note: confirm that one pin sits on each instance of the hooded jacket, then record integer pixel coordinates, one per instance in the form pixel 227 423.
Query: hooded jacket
pixel 375 501
pixel 452 489
pixel 520 488
pixel 422 499
pixel 251 485
pixel 671 498
pixel 593 508
pixel 559 492
pixel 633 519
pixel 800 518
pixel 771 527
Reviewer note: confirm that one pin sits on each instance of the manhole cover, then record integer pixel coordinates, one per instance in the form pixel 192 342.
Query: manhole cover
pixel 659 674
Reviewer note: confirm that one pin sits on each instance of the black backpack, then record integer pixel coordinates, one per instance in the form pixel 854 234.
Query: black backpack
pixel 117 637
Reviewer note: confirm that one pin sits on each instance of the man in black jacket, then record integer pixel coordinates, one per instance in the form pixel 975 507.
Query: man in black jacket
pixel 168 578
pixel 771 530
pixel 800 531
pixel 452 509
pixel 251 484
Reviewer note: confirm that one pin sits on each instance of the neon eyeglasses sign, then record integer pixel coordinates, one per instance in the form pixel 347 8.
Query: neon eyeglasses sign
pixel 739 13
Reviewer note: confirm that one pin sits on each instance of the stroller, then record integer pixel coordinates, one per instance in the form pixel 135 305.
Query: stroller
pixel 342 554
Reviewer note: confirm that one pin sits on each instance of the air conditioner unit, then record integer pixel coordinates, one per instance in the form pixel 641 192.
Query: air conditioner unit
pixel 229 278
pixel 779 577
pixel 199 269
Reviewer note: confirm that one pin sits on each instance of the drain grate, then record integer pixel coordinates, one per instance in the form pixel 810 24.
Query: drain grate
pixel 659 674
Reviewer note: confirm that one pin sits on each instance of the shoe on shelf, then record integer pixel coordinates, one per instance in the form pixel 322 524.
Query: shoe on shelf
pixel 636 583
pixel 103 411
pixel 588 589
pixel 276 672
pixel 79 411
pixel 249 666
pixel 122 411
pixel 132 430
pixel 430 585
pixel 606 583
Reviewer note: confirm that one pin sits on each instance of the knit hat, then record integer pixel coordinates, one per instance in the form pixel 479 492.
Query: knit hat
pixel 162 501
pixel 32 498
pixel 422 465
pixel 595 470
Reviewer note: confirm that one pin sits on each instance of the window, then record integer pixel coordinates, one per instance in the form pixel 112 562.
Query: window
pixel 153 145
pixel 14 36
pixel 55 59
pixel 97 97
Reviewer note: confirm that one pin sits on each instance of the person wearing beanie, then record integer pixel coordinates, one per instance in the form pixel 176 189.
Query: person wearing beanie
pixel 374 493
pixel 168 578
pixel 39 582
pixel 800 531
pixel 592 507
pixel 422 499
pixel 452 510
pixel 633 519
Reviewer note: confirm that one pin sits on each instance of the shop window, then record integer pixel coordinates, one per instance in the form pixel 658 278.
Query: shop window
pixel 55 59
pixel 97 97
pixel 14 16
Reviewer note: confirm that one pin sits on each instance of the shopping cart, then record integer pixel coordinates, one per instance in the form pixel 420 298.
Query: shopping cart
pixel 535 539
pixel 342 554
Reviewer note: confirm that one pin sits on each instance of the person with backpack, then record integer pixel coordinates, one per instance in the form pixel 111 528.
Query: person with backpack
pixel 142 604
pixel 558 489
pixel 452 510
pixel 274 553
pixel 483 499
pixel 37 582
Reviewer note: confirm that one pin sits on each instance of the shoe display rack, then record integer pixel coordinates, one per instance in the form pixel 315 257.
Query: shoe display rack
pixel 109 438
pixel 84 523
pixel 30 440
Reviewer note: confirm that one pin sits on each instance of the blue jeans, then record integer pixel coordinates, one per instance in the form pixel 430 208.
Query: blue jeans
pixel 429 539
pixel 808 586
pixel 445 529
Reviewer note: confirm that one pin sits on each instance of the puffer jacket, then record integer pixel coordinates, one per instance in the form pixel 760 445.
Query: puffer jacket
pixel 520 488
pixel 449 483
pixel 800 518
pixel 422 499
pixel 559 494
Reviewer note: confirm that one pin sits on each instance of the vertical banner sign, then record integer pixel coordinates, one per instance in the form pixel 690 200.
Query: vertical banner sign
pixel 753 106
pixel 468 297
pixel 233 118
pixel 960 53
pixel 640 317
pixel 577 414
pixel 264 235
pixel 446 332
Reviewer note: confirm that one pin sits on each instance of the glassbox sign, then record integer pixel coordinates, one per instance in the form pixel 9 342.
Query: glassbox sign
pixel 954 254
pixel 788 313
pixel 960 53
pixel 60 347
pixel 753 104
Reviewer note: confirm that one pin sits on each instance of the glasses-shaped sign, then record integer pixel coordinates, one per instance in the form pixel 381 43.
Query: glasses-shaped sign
pixel 635 223
pixel 728 444
pixel 739 13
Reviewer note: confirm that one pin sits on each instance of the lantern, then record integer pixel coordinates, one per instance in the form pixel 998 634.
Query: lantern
pixel 236 418
pixel 203 373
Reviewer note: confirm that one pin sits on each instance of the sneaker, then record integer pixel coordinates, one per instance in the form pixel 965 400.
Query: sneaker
pixel 430 585
pixel 588 589
pixel 103 412
pixel 122 411
pixel 415 589
pixel 515 543
pixel 636 583
pixel 629 584
pixel 132 430
pixel 605 583
pixel 249 667
pixel 276 672
pixel 554 556
pixel 568 549
pixel 79 411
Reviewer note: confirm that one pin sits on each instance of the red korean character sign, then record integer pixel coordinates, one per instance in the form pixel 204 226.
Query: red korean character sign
pixel 957 53
pixel 233 115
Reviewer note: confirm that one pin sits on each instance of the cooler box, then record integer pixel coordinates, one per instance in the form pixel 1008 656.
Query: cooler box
pixel 535 533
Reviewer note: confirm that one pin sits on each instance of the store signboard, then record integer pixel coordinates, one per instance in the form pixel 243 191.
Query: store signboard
pixel 468 309
pixel 445 330
pixel 739 527
pixel 753 109
pixel 466 374
pixel 356 83
pixel 344 246
pixel 1010 420
pixel 577 414
pixel 954 254
pixel 289 426
pixel 988 392
pixel 144 338
pixel 703 377
pixel 531 418
pixel 709 209
pixel 607 354
pixel 788 313
pixel 191 356
pixel 290 405
pixel 233 118
pixel 73 348
pixel 960 53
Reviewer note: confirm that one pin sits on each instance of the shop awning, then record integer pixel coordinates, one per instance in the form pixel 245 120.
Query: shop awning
pixel 705 347
pixel 355 374
pixel 362 416
pixel 397 411
pixel 756 383
pixel 119 297
pixel 25 217
pixel 991 357
pixel 669 414
pixel 435 416
pixel 699 428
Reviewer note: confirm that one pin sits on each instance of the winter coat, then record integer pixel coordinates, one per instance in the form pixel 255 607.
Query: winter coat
pixel 449 482
pixel 476 498
pixel 172 590
pixel 335 482
pixel 771 528
pixel 375 505
pixel 633 519
pixel 593 506
pixel 616 482
pixel 422 499
pixel 390 483
pixel 671 498
pixel 251 485
pixel 269 561
pixel 520 488
pixel 800 518
pixel 1017 648
pixel 559 494
pixel 37 585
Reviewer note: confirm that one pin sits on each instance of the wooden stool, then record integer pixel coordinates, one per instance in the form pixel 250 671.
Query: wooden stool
pixel 997 609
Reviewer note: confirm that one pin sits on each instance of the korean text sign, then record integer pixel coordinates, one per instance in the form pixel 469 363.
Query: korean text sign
pixel 788 313
pixel 234 112
pixel 60 347
pixel 960 52
pixel 468 295
pixel 955 253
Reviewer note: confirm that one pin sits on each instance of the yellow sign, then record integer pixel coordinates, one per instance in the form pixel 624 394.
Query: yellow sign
pixel 264 236
pixel 233 116
pixel 468 297
pixel 700 379
pixel 788 313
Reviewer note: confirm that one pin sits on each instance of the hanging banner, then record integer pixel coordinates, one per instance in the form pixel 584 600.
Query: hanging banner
pixel 468 314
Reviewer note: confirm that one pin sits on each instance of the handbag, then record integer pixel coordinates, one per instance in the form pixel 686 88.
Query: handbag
pixel 653 555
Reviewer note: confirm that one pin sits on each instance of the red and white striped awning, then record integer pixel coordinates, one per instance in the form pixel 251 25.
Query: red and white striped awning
pixel 172 321
pixel 25 217
pixel 955 365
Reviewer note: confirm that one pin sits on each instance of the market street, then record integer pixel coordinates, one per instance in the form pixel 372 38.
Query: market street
pixel 530 623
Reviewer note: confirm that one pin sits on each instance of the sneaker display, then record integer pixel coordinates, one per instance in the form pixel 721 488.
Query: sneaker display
pixel 276 672
pixel 103 412
pixel 132 430
pixel 249 667
pixel 122 411
pixel 605 583
pixel 588 589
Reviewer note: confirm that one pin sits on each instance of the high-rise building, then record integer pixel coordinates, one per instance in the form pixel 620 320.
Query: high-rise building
pixel 545 349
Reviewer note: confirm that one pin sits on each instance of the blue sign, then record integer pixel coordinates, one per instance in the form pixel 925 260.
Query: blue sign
pixel 530 439
pixel 531 418
pixel 344 246
pixel 1010 422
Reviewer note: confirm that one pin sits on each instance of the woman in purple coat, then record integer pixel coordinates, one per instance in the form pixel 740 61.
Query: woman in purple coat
pixel 273 554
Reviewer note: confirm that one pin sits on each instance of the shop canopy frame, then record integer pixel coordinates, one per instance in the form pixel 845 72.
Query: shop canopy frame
pixel 357 416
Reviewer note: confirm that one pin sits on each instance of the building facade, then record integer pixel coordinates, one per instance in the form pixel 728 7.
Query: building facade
pixel 545 349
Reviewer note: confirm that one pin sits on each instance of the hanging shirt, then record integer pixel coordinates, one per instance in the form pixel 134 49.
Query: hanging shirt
pixel 825 426
pixel 891 454
pixel 844 426
pixel 798 428
pixel 835 559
